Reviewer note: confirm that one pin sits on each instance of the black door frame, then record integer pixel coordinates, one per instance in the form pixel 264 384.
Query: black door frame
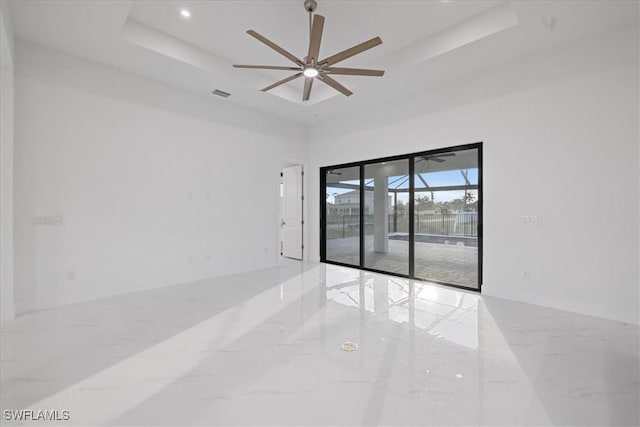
pixel 411 157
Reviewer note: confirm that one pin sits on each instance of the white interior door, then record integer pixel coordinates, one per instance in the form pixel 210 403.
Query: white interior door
pixel 292 216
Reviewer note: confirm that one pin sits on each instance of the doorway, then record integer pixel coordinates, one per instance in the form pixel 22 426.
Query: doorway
pixel 292 221
pixel 417 215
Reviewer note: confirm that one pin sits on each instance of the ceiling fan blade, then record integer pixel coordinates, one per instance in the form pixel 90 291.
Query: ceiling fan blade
pixel 334 84
pixel 267 67
pixel 355 71
pixel 281 82
pixel 437 157
pixel 308 82
pixel 348 53
pixel 275 47
pixel 316 37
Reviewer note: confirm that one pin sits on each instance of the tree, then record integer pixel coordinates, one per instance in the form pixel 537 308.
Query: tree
pixel 457 205
pixel 402 208
pixel 467 203
pixel 424 203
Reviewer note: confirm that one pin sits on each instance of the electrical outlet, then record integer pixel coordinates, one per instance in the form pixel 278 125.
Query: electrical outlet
pixel 47 220
pixel 525 275
pixel 531 219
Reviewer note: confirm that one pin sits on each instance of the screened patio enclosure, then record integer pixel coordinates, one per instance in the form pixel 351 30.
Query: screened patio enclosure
pixel 417 215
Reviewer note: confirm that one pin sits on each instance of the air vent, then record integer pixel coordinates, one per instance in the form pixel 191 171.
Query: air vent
pixel 221 93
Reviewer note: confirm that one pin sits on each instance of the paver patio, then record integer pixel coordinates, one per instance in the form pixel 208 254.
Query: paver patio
pixel 449 263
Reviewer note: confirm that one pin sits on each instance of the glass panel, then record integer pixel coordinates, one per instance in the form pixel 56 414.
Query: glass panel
pixel 446 217
pixel 386 203
pixel 343 215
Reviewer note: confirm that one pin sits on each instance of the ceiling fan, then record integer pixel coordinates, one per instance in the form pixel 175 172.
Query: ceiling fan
pixel 312 67
pixel 436 157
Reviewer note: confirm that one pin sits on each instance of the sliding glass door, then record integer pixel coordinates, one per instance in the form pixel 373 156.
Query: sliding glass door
pixel 386 247
pixel 417 215
pixel 446 217
pixel 342 215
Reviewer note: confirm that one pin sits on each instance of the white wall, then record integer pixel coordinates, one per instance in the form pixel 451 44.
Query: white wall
pixel 117 156
pixel 560 132
pixel 7 310
pixel 155 186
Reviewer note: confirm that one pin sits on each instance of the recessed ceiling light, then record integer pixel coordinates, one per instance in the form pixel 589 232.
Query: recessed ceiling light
pixel 185 13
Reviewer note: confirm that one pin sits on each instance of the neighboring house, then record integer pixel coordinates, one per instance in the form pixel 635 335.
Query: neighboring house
pixel 349 203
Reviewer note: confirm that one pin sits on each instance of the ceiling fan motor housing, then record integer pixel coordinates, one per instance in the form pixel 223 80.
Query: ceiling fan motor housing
pixel 310 5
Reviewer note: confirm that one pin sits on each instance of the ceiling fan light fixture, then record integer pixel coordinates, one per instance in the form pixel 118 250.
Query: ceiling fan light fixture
pixel 310 72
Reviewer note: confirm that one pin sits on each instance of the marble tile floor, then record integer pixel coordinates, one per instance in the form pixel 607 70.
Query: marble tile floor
pixel 264 348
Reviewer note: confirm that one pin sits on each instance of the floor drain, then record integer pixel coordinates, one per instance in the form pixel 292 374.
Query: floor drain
pixel 349 346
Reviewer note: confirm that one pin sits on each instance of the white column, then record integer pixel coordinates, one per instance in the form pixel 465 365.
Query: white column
pixel 381 214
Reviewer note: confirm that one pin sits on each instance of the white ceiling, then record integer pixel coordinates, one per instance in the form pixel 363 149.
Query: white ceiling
pixel 425 42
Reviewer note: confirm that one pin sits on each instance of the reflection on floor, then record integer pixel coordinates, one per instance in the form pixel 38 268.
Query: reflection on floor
pixel 449 262
pixel 265 348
